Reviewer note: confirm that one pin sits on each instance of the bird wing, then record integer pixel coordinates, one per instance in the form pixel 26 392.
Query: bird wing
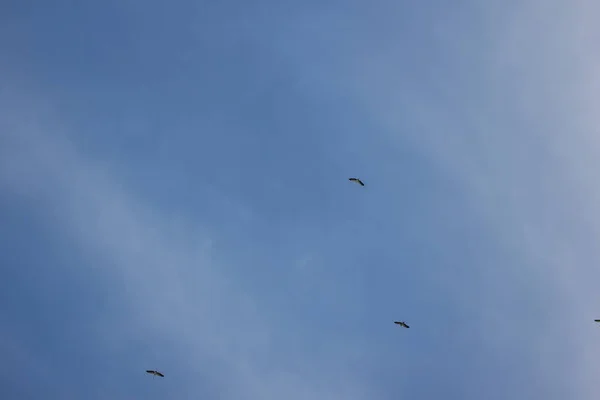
pixel 597 320
pixel 159 374
pixel 150 371
pixel 361 182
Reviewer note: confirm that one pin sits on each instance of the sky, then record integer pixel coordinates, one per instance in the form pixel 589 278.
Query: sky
pixel 174 195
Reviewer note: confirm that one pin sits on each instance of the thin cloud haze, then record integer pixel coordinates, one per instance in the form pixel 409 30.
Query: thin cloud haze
pixel 174 196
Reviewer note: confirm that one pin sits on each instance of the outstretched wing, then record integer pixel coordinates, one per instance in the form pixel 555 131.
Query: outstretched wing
pixel 597 320
pixel 159 374
pixel 150 371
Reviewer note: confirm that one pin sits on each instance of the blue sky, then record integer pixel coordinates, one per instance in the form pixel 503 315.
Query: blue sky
pixel 174 196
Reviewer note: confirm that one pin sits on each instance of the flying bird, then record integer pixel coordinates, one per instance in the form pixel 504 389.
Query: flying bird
pixel 155 373
pixel 402 324
pixel 357 181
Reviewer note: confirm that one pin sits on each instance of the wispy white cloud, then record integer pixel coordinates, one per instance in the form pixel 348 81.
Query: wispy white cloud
pixel 517 129
pixel 171 282
pixel 501 99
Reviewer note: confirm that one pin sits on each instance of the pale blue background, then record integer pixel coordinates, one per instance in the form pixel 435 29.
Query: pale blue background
pixel 174 196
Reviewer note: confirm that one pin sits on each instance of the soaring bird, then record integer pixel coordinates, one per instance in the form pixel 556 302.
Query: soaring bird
pixel 402 324
pixel 357 181
pixel 155 373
